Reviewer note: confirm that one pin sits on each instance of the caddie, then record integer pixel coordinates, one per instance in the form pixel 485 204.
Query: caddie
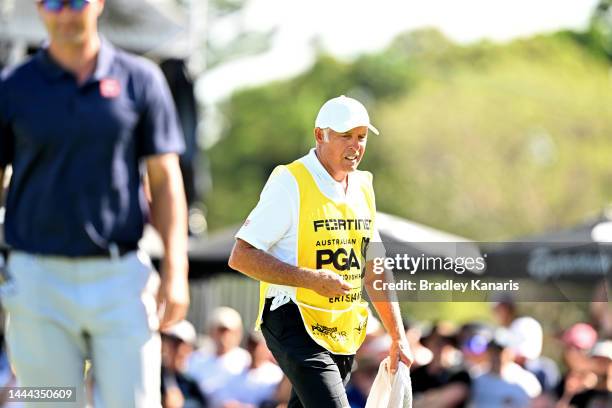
pixel 306 241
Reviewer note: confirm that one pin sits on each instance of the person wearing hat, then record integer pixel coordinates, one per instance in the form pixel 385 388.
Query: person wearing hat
pixel 599 395
pixel 178 389
pixel 504 383
pixel 82 124
pixel 305 241
pixel 528 340
pixel 576 341
pixel 256 385
pixel 214 369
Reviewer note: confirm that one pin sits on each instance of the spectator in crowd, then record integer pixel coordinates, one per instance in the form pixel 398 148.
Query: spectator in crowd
pixel 178 390
pixel 544 400
pixel 212 371
pixel 372 352
pixel 504 311
pixel 282 394
pixel 474 338
pixel 422 355
pixel 601 313
pixel 505 384
pixel 361 380
pixel 527 335
pixel 577 341
pixel 442 382
pixel 600 395
pixel 492 389
pixel 255 385
pixel 377 342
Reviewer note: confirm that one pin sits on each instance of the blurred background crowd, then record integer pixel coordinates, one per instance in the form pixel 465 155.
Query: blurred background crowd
pixel 499 363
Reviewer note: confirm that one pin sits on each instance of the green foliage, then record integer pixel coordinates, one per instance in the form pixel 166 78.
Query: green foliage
pixel 488 141
pixel 224 7
pixel 600 32
pixel 504 149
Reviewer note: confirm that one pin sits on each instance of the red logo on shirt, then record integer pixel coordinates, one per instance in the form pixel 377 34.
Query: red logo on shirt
pixel 110 88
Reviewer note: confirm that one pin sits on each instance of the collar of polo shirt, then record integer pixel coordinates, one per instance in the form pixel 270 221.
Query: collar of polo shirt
pixel 53 71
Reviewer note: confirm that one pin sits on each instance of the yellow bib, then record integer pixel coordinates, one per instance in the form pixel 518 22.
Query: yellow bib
pixel 333 236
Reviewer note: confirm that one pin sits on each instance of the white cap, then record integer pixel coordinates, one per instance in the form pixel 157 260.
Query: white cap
pixel 527 337
pixel 225 317
pixel 182 330
pixel 342 114
pixel 602 349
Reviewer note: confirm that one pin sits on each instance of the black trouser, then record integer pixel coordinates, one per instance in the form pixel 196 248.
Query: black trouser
pixel 318 376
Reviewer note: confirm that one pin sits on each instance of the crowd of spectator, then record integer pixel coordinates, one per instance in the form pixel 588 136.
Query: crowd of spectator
pixel 476 365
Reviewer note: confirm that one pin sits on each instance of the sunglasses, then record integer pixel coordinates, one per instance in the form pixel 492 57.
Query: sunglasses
pixel 55 6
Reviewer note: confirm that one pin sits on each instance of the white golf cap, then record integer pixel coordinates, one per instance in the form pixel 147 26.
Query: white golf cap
pixel 527 336
pixel 183 331
pixel 342 114
pixel 225 317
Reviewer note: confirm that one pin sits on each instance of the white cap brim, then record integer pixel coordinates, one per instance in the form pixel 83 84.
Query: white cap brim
pixel 343 114
pixel 346 128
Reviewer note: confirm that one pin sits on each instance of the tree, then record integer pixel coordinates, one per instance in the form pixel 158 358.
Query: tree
pixel 601 27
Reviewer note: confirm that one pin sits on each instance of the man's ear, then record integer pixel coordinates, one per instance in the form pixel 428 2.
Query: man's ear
pixel 319 135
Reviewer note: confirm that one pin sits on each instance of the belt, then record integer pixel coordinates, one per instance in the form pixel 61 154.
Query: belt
pixel 113 251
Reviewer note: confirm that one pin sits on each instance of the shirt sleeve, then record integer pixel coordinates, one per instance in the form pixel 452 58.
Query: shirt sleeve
pixel 273 215
pixel 7 138
pixel 160 130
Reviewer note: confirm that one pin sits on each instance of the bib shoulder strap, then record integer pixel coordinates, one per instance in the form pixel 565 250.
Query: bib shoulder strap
pixel 302 176
pixel 365 178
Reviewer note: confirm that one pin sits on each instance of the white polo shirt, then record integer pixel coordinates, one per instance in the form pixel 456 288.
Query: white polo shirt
pixel 273 224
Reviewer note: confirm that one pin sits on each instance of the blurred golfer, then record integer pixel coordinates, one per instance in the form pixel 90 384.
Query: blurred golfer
pixel 305 241
pixel 80 123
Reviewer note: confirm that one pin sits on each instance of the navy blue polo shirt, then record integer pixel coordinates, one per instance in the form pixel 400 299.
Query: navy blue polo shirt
pixel 78 151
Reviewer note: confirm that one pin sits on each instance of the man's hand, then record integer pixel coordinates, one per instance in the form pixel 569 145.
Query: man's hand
pixel 262 266
pixel 399 351
pixel 172 297
pixel 328 283
pixel 169 217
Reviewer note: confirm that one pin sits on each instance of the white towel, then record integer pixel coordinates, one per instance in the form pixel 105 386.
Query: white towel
pixel 391 391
